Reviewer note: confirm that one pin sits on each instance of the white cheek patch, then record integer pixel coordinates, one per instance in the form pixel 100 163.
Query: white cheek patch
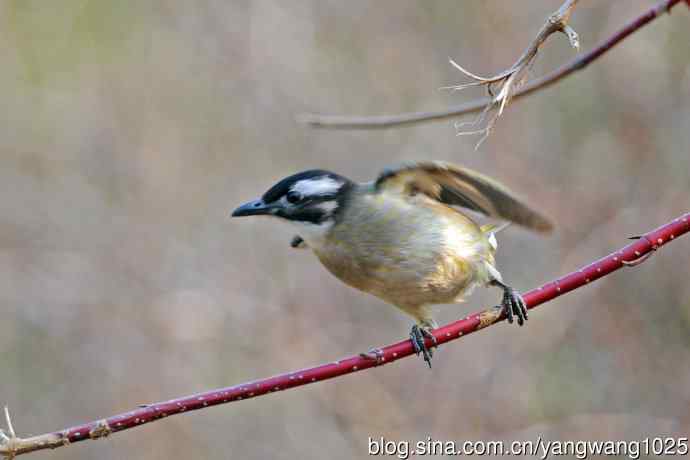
pixel 313 234
pixel 322 185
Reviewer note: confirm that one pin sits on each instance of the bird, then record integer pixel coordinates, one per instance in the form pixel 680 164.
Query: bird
pixel 407 236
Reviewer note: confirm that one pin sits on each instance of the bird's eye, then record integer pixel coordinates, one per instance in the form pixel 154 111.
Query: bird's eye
pixel 293 197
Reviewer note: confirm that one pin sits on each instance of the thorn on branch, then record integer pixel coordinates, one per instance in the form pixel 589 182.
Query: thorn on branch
pixel 573 37
pixel 11 446
pixel 9 440
pixel 640 257
pixel 511 80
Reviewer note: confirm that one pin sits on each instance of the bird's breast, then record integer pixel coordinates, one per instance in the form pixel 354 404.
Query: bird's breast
pixel 406 251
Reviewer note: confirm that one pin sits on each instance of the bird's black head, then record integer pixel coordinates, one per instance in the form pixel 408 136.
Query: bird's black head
pixel 310 198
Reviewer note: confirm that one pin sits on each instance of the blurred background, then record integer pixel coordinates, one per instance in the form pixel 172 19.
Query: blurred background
pixel 130 130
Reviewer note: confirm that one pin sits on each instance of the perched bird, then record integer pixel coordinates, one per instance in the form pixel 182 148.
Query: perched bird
pixel 401 237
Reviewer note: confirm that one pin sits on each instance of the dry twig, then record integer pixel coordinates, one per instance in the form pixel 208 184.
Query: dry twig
pixel 509 81
pixel 11 445
pixel 578 63
pixel 631 255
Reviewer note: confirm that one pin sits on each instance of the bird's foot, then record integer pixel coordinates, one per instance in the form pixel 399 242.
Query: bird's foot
pixel 417 336
pixel 514 305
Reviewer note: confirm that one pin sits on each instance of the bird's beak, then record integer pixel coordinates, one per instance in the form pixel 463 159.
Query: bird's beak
pixel 254 208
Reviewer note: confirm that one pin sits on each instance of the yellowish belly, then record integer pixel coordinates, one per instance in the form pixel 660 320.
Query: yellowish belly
pixel 407 254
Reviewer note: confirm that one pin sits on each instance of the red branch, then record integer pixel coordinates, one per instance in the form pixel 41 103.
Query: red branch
pixel 630 255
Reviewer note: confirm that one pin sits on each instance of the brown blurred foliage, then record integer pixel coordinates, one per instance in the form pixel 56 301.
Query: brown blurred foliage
pixel 129 130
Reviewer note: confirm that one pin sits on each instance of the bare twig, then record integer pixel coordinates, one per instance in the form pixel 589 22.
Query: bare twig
pixel 11 446
pixel 509 81
pixel 578 63
pixel 627 256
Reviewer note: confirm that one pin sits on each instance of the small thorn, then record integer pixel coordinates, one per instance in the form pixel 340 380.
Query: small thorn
pixel 8 420
pixel 639 260
pixel 468 73
pixel 375 354
pixel 573 38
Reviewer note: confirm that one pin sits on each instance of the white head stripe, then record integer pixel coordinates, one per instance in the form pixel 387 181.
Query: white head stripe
pixel 316 186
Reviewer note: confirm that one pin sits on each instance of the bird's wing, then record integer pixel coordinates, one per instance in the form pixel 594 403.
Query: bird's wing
pixel 458 186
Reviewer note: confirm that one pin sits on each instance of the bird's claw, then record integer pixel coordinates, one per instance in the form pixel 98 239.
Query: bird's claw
pixel 417 336
pixel 514 305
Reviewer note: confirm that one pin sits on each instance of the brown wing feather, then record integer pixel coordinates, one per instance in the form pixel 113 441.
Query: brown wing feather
pixel 458 186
